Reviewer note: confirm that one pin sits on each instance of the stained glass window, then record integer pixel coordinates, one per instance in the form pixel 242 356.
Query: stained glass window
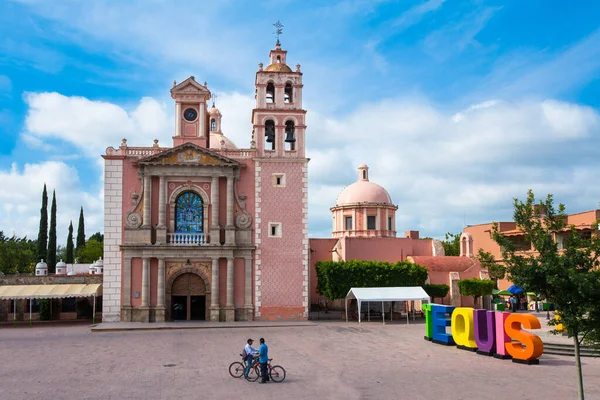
pixel 189 213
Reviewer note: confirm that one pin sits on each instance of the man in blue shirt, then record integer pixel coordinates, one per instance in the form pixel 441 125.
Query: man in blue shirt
pixel 263 359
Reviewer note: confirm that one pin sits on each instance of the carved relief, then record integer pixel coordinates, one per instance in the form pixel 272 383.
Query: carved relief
pixel 133 219
pixel 174 269
pixel 243 220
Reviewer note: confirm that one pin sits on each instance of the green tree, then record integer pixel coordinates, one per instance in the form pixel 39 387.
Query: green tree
pixel 52 237
pixel 452 244
pixel 488 261
pixel 42 242
pixel 437 291
pixel 476 288
pixel 335 279
pixel 91 252
pixel 17 256
pixel 69 258
pixel 80 233
pixel 97 237
pixel 569 278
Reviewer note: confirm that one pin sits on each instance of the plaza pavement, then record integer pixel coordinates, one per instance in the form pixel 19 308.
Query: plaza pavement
pixel 324 360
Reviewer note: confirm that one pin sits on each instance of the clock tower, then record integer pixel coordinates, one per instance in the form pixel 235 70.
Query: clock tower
pixel 191 117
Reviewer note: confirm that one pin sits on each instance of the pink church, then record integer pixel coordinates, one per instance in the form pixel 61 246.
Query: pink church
pixel 203 230
pixel 364 228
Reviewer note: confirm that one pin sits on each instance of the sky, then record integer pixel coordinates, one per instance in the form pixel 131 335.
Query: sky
pixel 456 106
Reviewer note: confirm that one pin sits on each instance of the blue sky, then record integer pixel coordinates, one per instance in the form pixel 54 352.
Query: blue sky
pixel 456 106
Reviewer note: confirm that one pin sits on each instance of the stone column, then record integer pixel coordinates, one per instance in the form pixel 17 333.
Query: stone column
pixel 230 228
pixel 201 119
pixel 230 306
pixel 248 307
pixel 147 200
pixel 177 119
pixel 160 296
pixel 215 228
pixel 214 290
pixel 161 228
pixel 145 309
pixel 126 309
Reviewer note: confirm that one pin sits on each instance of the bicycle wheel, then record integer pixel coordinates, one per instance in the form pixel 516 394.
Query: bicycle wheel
pixel 236 369
pixel 277 373
pixel 253 374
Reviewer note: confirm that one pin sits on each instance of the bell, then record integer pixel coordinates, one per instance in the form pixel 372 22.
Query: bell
pixel 270 137
pixel 289 137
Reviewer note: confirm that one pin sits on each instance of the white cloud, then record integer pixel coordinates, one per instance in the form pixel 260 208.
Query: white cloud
pixel 92 126
pixel 21 204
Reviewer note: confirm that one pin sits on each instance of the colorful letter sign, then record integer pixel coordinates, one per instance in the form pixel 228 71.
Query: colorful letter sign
pixel 488 332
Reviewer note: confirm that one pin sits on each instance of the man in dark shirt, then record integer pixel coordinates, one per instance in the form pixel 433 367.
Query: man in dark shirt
pixel 263 359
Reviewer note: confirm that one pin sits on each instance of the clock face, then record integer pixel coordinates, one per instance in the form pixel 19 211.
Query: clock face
pixel 190 114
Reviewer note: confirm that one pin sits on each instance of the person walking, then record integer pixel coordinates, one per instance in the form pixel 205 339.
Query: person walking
pixel 513 304
pixel 263 359
pixel 249 352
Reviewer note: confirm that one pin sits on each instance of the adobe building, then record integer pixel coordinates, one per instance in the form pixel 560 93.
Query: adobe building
pixel 203 230
pixel 475 237
pixel 364 228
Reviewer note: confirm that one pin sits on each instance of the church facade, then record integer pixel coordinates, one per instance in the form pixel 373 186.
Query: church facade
pixel 203 230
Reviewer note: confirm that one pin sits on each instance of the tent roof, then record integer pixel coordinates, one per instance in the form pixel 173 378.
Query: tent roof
pixel 388 294
pixel 10 292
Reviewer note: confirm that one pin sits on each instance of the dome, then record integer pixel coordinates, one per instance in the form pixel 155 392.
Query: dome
pixel 60 264
pixel 219 141
pixel 363 191
pixel 278 68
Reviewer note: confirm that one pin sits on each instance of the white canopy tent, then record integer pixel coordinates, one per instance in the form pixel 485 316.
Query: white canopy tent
pixel 383 294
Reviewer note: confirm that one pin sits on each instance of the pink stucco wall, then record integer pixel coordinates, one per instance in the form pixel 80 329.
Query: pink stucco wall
pixel 385 249
pixel 320 250
pixel 281 258
pixel 136 281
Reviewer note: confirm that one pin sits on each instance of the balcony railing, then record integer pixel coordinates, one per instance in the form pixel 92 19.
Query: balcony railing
pixel 187 239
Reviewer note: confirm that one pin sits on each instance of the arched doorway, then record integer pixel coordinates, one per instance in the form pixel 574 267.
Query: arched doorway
pixel 188 298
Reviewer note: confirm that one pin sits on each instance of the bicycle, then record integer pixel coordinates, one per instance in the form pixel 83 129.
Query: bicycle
pixel 276 372
pixel 236 369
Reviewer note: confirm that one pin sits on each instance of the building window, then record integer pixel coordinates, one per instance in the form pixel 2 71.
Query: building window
pixel 371 222
pixel 275 230
pixel 586 235
pixel 348 222
pixel 270 93
pixel 269 135
pixel 68 305
pixel 290 136
pixel 278 180
pixel 287 93
pixel 390 223
pixel 35 306
pixel 213 125
pixel 189 213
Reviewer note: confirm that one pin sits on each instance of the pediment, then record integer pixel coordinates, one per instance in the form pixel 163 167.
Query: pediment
pixel 188 154
pixel 190 87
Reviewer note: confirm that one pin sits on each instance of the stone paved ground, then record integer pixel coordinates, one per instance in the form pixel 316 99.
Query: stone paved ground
pixel 331 360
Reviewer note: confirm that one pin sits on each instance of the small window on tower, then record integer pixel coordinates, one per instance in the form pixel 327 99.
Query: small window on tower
pixel 213 125
pixel 278 180
pixel 371 222
pixel 389 223
pixel 278 60
pixel 287 93
pixel 275 229
pixel 290 136
pixel 364 174
pixel 269 135
pixel 348 223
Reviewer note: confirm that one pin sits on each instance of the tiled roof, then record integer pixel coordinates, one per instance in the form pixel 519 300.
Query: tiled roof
pixel 446 263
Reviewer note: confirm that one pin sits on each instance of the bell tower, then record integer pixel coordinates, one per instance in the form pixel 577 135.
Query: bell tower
pixel 281 190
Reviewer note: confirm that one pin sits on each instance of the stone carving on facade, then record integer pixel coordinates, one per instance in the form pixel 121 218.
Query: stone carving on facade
pixel 243 220
pixel 177 268
pixel 133 218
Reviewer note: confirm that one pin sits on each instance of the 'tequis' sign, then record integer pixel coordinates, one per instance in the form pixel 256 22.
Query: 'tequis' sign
pixel 494 333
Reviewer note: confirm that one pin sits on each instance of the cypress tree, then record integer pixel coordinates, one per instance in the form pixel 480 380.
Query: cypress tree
pixel 52 237
pixel 42 241
pixel 69 256
pixel 80 233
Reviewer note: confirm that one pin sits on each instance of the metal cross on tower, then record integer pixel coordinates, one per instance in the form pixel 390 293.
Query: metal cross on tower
pixel 279 29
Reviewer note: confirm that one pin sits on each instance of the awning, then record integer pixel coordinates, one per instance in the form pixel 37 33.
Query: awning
pixel 384 294
pixel 388 294
pixel 60 291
